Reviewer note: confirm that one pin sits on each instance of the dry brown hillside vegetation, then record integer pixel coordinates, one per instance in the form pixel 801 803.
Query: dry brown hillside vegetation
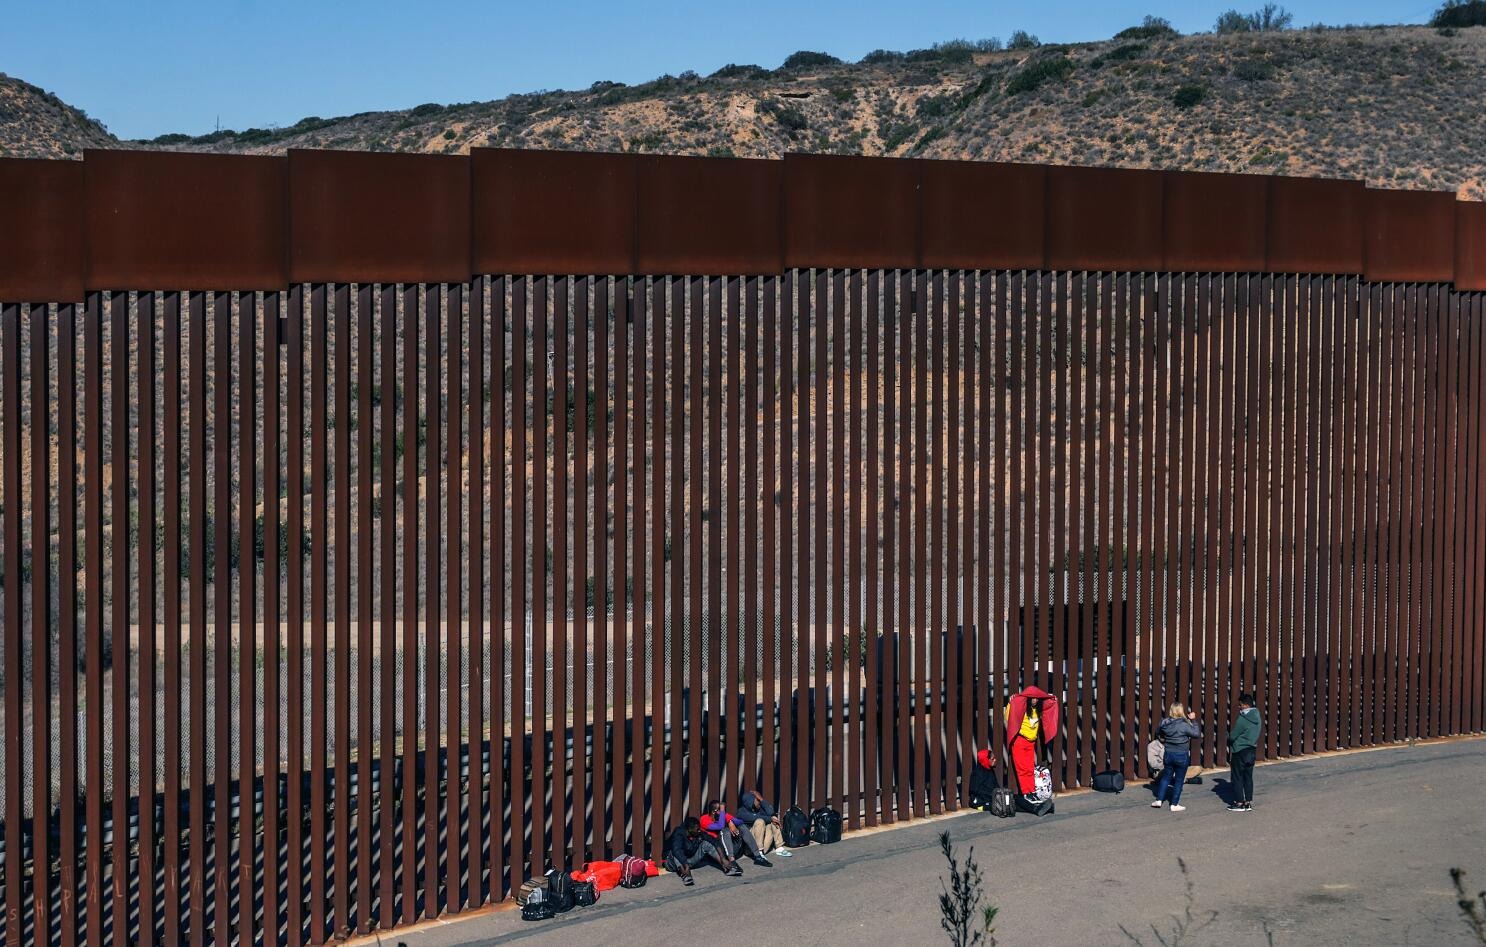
pixel 1396 106
pixel 36 124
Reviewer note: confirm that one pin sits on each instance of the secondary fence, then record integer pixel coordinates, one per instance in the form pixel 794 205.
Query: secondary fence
pixel 344 588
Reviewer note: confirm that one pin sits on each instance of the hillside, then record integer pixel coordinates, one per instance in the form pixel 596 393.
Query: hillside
pixel 1397 106
pixel 36 124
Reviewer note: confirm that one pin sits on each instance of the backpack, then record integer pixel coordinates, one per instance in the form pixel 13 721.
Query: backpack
pixel 559 890
pixel 585 893
pixel 531 887
pixel 632 873
pixel 796 827
pixel 1043 784
pixel 537 911
pixel 536 906
pixel 825 825
pixel 1003 802
pixel 1155 756
pixel 1109 781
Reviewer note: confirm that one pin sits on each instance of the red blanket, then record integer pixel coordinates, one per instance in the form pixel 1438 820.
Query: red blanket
pixel 605 875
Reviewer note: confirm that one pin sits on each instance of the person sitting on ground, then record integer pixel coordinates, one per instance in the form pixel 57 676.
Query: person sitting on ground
pixel 763 822
pixel 690 847
pixel 1176 733
pixel 1243 742
pixel 730 834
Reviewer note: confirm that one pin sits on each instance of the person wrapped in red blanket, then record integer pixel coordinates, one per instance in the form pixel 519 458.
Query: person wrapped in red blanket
pixel 1032 716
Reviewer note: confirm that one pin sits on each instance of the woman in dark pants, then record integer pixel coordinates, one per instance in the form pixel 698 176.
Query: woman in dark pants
pixel 1176 733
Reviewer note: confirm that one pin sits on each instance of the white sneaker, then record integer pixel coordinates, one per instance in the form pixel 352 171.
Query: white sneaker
pixel 1178 808
pixel 1156 804
pixel 783 852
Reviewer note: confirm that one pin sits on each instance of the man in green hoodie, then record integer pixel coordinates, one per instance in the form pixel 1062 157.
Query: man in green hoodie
pixel 1243 738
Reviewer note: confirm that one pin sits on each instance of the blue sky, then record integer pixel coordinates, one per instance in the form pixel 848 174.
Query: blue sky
pixel 145 67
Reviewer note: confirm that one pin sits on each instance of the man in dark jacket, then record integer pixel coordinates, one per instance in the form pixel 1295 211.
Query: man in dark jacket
pixel 1243 741
pixel 690 847
pixel 755 812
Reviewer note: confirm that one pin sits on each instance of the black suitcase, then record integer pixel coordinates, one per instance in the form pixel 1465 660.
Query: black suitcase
pixel 1109 781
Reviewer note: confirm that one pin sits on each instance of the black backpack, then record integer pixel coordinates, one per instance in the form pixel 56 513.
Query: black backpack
pixel 796 827
pixel 1109 781
pixel 825 825
pixel 1045 807
pixel 537 907
pixel 559 890
pixel 585 893
pixel 1003 802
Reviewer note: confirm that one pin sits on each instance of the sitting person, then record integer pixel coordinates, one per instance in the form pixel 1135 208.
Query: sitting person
pixel 727 832
pixel 761 820
pixel 690 847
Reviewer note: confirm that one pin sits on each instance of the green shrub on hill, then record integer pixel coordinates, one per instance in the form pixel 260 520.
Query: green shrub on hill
pixel 1034 75
pixel 808 59
pixel 1021 39
pixel 1189 95
pixel 1152 27
pixel 1267 19
pixel 1457 13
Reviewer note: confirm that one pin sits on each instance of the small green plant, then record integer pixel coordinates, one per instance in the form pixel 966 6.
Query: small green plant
pixel 1472 909
pixel 1189 95
pixel 962 915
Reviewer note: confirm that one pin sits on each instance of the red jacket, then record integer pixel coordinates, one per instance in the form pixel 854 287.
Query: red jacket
pixel 1018 709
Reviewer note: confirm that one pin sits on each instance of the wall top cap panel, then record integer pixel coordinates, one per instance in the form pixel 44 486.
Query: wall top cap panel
pixel 174 220
pixel 377 217
pixel 553 212
pixel 1215 222
pixel 850 211
pixel 41 240
pixel 1315 226
pixel 1470 246
pixel 712 216
pixel 1410 236
pixel 982 215
pixel 1104 219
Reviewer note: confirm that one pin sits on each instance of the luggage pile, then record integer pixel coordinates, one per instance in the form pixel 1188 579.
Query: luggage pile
pixel 559 891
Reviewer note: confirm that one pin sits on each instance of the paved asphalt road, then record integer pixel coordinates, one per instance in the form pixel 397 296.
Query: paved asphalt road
pixel 1350 849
